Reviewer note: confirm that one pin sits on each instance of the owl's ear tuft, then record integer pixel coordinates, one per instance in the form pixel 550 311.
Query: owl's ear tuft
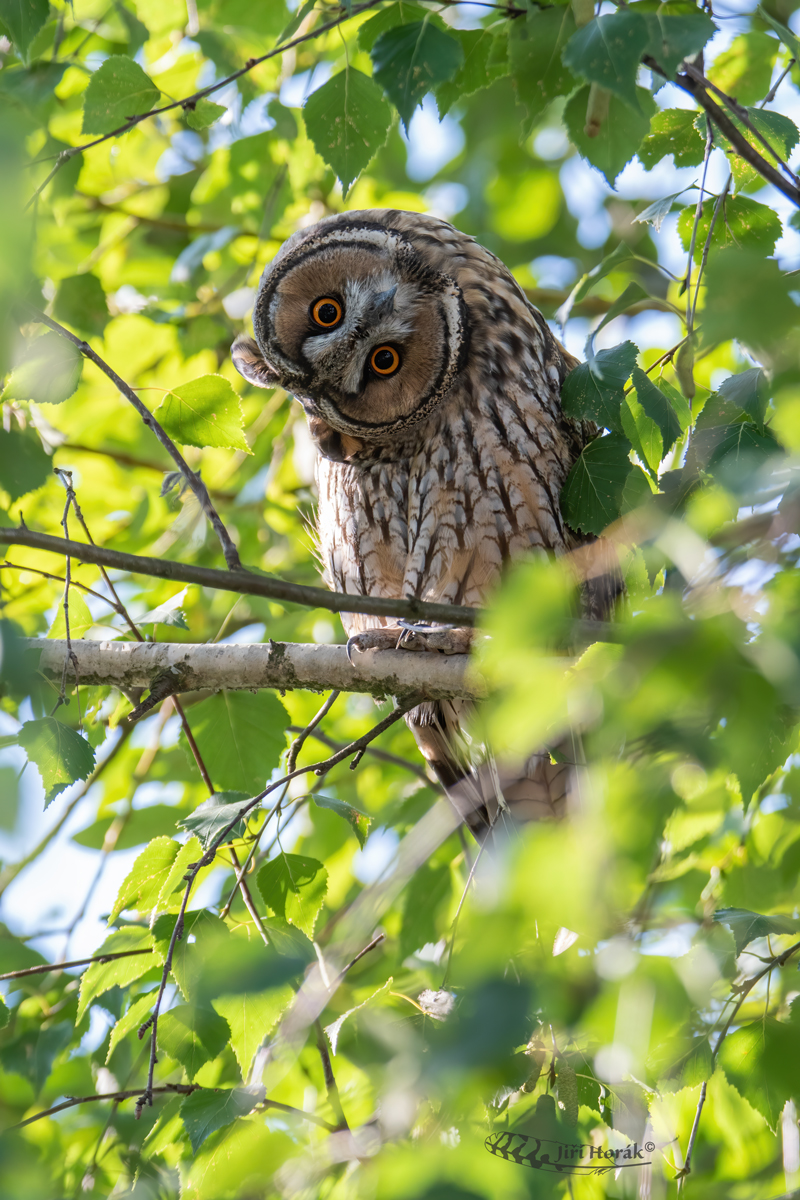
pixel 250 362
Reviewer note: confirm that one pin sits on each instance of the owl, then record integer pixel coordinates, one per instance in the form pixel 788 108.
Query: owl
pixel 432 390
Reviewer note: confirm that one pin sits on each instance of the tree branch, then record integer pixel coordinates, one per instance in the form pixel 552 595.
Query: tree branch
pixel 192 478
pixel 183 667
pixel 695 84
pixel 242 582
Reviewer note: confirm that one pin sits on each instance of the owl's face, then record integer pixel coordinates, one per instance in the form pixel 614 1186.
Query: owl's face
pixel 351 321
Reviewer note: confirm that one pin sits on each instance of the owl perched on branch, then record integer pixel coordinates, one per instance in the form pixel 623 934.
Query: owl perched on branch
pixel 432 390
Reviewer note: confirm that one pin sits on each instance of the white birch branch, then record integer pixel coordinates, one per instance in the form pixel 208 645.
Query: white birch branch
pixel 281 665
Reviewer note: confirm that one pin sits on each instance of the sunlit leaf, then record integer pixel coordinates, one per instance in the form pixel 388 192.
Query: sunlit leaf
pixel 192 1035
pixel 204 113
pixel 251 1016
pixel 205 412
pixel 118 90
pixel 49 371
pixel 241 737
pixel 118 972
pixel 81 303
pixel 207 1110
pixel 358 821
pixel 293 887
pixel 60 755
pixel 141 887
pixel 132 1020
pixel 739 221
pixel 672 131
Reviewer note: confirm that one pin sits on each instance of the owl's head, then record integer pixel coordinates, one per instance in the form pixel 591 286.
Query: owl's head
pixel 351 320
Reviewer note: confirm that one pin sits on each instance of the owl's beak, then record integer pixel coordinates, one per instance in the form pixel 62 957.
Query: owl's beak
pixel 382 304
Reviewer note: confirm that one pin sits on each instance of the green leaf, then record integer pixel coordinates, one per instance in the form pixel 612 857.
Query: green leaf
pixel 392 16
pixel 49 372
pixel 740 222
pixel 634 294
pixel 293 887
pixel 746 926
pixel 425 893
pixel 673 38
pixel 636 491
pixel 192 1036
pixel 655 213
pixel 205 412
pixel 642 432
pixel 335 1028
pixel 485 59
pixel 789 40
pixel 23 19
pixel 760 1060
pixel 81 302
pixel 673 131
pixel 620 134
pixel 241 737
pixel 744 70
pixel 99 977
pixel 658 408
pixel 748 297
pixel 251 1016
pixel 592 496
pixel 685 1061
pixel 608 51
pixel 207 1110
pixel 749 391
pixel 410 60
pixel 358 821
pixel 80 619
pixel 4 1014
pixel 347 120
pixel 133 1019
pixel 210 818
pixel 60 755
pixel 141 887
pixel 534 54
pixel 204 113
pixel 593 390
pixel 24 466
pixel 188 854
pixel 118 90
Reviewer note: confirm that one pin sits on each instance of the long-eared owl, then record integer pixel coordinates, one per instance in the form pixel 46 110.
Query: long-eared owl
pixel 432 391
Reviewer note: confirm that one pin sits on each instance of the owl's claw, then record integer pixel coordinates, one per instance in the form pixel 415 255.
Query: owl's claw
pixel 371 639
pixel 446 639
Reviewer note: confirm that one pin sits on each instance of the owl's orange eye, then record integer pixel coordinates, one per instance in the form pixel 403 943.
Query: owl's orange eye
pixel 326 312
pixel 385 360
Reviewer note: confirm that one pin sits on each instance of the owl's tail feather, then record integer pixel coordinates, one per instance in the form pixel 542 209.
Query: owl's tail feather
pixel 480 790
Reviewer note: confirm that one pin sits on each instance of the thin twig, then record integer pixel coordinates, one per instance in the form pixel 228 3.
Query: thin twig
pixel 334 1099
pixel 383 755
pixel 707 246
pixel 192 478
pixel 46 968
pixel 779 960
pixel 698 213
pixel 241 581
pixel 297 744
pixel 70 656
pixel 183 1089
